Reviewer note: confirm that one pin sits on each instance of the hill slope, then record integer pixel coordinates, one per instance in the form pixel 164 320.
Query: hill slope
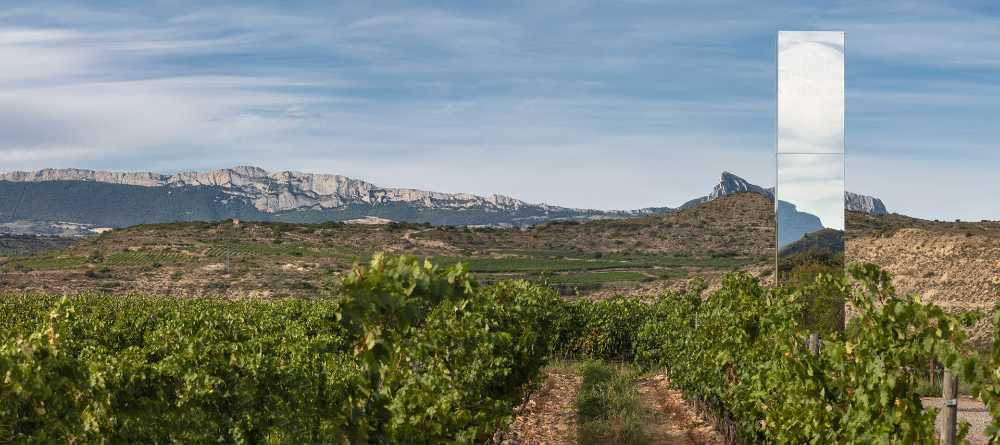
pixel 261 259
pixel 596 257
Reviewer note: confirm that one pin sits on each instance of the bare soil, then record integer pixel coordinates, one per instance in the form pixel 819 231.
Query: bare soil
pixel 956 270
pixel 673 422
pixel 549 414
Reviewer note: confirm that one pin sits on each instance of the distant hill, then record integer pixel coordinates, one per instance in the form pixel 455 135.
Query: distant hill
pixel 651 252
pixel 27 244
pixel 121 199
pixel 271 258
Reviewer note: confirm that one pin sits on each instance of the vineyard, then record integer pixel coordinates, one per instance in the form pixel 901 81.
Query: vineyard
pixel 220 259
pixel 409 352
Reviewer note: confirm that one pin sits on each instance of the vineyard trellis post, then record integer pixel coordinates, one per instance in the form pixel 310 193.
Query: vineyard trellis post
pixel 933 372
pixel 949 401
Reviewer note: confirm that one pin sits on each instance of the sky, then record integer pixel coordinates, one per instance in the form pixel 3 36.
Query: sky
pixel 576 103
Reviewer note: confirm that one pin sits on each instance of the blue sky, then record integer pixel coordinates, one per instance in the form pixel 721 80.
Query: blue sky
pixel 585 104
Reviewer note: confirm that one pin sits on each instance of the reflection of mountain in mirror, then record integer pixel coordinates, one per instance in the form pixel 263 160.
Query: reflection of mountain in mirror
pixel 810 214
pixel 815 252
pixel 829 241
pixel 815 184
pixel 810 161
pixel 793 224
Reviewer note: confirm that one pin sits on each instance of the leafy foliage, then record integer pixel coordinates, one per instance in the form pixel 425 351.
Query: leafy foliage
pixel 741 350
pixel 600 330
pixel 412 353
pixel 408 353
pixel 146 370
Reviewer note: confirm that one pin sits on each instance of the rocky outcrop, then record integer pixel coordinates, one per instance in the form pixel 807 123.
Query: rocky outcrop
pixel 864 204
pixel 729 184
pixel 144 179
pixel 283 191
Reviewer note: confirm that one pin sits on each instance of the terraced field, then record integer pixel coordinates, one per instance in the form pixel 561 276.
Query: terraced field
pixel 302 260
pixel 44 262
pixel 144 258
pixel 250 250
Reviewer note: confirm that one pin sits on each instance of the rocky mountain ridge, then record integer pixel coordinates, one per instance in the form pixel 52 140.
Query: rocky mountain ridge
pixel 864 204
pixel 274 192
pixel 119 199
pixel 730 183
pixel 279 191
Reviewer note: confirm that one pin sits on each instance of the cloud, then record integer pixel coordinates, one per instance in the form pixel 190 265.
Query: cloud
pixel 810 92
pixel 572 103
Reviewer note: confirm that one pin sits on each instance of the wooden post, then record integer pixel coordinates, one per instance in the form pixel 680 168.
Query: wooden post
pixel 933 372
pixel 950 407
pixel 814 343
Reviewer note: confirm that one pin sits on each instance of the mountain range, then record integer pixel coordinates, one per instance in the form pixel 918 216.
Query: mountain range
pixel 118 199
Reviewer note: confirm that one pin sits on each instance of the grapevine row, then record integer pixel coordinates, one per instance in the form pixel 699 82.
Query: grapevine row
pixel 408 352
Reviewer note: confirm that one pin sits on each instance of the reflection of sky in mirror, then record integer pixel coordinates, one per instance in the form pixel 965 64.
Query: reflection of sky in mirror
pixel 810 92
pixel 815 184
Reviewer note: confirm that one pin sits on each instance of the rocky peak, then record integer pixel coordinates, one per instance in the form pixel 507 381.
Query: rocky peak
pixel 730 183
pixel 865 204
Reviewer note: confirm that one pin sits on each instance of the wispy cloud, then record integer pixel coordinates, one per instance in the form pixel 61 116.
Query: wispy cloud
pixel 575 103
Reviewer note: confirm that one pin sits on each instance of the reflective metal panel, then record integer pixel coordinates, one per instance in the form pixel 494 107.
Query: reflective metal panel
pixel 810 92
pixel 809 194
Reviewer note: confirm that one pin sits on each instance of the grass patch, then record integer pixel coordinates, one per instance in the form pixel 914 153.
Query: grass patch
pixel 587 262
pixel 280 250
pixel 46 262
pixel 144 258
pixel 528 264
pixel 596 277
pixel 608 406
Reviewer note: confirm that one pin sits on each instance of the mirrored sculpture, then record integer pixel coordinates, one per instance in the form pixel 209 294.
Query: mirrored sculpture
pixel 809 196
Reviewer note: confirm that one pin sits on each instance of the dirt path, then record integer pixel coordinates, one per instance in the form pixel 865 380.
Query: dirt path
pixel 673 421
pixel 437 245
pixel 549 415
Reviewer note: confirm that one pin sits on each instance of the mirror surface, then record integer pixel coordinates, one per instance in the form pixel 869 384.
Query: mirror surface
pixel 810 92
pixel 809 195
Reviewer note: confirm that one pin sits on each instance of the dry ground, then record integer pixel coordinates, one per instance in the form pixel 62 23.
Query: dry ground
pixel 548 416
pixel 674 422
